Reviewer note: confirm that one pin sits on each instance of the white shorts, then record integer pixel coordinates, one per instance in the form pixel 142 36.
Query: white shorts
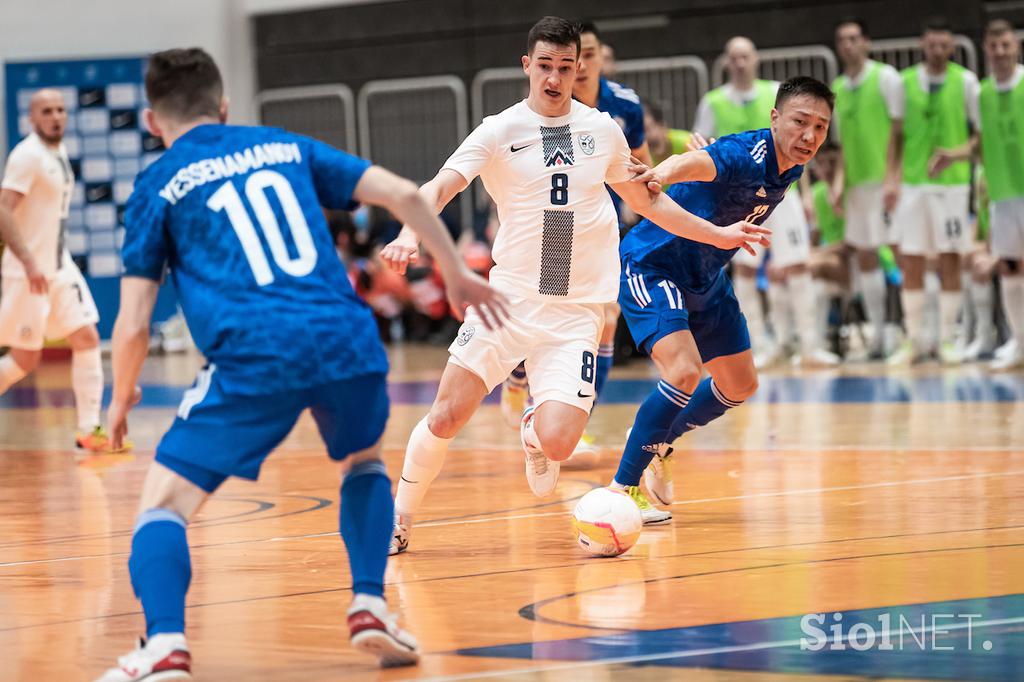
pixel 1008 228
pixel 932 219
pixel 28 320
pixel 866 224
pixel 557 340
pixel 791 235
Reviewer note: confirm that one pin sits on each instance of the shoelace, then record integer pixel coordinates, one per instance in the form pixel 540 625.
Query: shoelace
pixel 638 497
pixel 539 462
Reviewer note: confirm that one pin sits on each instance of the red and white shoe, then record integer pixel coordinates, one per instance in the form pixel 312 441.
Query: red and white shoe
pixel 375 631
pixel 163 658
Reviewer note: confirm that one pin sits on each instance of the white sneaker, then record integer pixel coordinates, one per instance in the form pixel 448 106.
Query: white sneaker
pixel 950 353
pixel 768 356
pixel 1006 350
pixel 400 535
pixel 374 631
pixel 819 357
pixel 541 472
pixel 163 658
pixel 978 348
pixel 1008 362
pixel 513 401
pixel 651 515
pixel 585 455
pixel 658 476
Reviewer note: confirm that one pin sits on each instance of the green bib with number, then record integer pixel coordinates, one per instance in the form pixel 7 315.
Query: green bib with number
pixel 1002 140
pixel 738 118
pixel 864 127
pixel 934 120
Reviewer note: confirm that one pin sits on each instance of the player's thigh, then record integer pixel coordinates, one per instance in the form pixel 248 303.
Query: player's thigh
pixel 952 223
pixel 720 329
pixel 167 489
pixel 351 414
pixel 652 305
pixel 916 217
pixel 1007 230
pixel 72 306
pixel 217 434
pixel 562 364
pixel 491 354
pixel 865 222
pixel 22 315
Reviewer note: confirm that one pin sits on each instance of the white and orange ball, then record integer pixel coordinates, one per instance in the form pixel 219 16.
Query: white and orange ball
pixel 606 522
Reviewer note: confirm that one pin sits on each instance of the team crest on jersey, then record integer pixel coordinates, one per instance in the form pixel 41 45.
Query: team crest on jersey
pixel 465 335
pixel 26 332
pixel 587 144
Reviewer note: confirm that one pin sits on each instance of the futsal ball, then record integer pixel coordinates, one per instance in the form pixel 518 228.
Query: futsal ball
pixel 606 522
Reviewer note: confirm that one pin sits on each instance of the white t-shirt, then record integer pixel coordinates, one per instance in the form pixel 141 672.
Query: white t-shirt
pixel 891 84
pixel 705 124
pixel 558 237
pixel 43 175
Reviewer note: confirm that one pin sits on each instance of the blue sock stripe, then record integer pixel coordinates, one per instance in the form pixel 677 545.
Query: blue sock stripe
pixel 722 399
pixel 158 514
pixel 373 466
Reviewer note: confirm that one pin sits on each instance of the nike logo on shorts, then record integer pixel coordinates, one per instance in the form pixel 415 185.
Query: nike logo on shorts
pixel 579 394
pixel 519 149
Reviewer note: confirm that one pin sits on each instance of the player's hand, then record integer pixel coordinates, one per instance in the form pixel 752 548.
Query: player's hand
pixel 466 288
pixel 940 161
pixel 37 283
pixel 744 235
pixel 890 194
pixel 117 419
pixel 697 142
pixel 642 173
pixel 399 254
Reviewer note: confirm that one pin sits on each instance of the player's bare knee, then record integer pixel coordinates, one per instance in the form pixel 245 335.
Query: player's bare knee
pixel 370 454
pixel 27 360
pixel 741 387
pixel 442 422
pixel 682 374
pixel 557 444
pixel 85 338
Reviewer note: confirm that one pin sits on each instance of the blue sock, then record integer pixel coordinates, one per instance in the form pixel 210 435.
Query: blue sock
pixel 367 519
pixel 650 430
pixel 161 569
pixel 605 360
pixel 706 404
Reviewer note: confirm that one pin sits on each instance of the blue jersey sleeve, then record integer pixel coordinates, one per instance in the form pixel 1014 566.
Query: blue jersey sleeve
pixel 145 249
pixel 335 174
pixel 731 158
pixel 635 133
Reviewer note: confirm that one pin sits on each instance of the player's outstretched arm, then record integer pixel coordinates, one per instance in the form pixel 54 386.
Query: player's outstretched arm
pixel 130 344
pixel 9 201
pixel 464 288
pixel 404 249
pixel 693 166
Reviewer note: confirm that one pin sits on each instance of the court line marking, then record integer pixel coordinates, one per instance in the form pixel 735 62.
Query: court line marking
pixel 514 517
pixel 709 651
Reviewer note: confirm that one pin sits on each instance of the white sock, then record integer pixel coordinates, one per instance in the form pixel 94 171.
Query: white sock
pixel 749 299
pixel 87 383
pixel 804 300
pixel 983 298
pixel 913 315
pixel 932 329
pixel 424 457
pixel 530 434
pixel 10 373
pixel 1013 302
pixel 949 310
pixel 778 312
pixel 822 299
pixel 873 289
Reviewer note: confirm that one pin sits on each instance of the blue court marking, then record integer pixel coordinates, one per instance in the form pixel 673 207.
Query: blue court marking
pixel 936 640
pixel 804 389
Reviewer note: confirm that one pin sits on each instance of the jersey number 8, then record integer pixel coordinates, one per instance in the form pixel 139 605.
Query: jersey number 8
pixel 559 189
pixel 227 199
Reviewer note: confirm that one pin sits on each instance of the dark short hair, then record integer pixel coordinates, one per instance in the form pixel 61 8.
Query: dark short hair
pixel 997 27
pixel 588 26
pixel 184 83
pixel 554 30
pixel 804 85
pixel 860 23
pixel 936 23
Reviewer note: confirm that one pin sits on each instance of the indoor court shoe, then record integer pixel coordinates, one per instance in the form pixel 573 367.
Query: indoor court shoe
pixel 651 515
pixel 400 535
pixel 585 455
pixel 816 359
pixel 373 630
pixel 1008 362
pixel 97 440
pixel 658 476
pixel 163 658
pixel 950 354
pixel 513 401
pixel 541 472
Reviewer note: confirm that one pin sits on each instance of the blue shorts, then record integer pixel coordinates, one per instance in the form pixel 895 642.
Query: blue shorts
pixel 654 307
pixel 217 435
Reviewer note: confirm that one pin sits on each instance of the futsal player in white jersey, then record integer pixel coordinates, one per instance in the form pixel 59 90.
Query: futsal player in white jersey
pixel 545 162
pixel 44 294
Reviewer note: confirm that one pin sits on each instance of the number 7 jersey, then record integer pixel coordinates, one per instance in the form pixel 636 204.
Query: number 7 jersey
pixel 235 214
pixel 558 236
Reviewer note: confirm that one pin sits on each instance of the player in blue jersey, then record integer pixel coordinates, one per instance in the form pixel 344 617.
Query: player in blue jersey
pixel 675 295
pixel 592 88
pixel 235 214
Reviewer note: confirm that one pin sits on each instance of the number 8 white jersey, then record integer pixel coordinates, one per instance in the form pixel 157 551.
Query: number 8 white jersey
pixel 558 237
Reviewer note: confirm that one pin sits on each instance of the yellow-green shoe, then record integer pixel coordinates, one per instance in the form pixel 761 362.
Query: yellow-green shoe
pixel 658 476
pixel 652 516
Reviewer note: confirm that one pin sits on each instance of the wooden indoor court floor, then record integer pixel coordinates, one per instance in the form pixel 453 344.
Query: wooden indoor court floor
pixel 863 496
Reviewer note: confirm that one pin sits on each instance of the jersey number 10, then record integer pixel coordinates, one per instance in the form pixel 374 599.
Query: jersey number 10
pixel 227 199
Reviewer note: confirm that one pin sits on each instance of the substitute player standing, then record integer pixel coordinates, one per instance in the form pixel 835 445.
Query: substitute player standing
pixel 44 293
pixel 235 213
pixel 675 296
pixel 545 162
